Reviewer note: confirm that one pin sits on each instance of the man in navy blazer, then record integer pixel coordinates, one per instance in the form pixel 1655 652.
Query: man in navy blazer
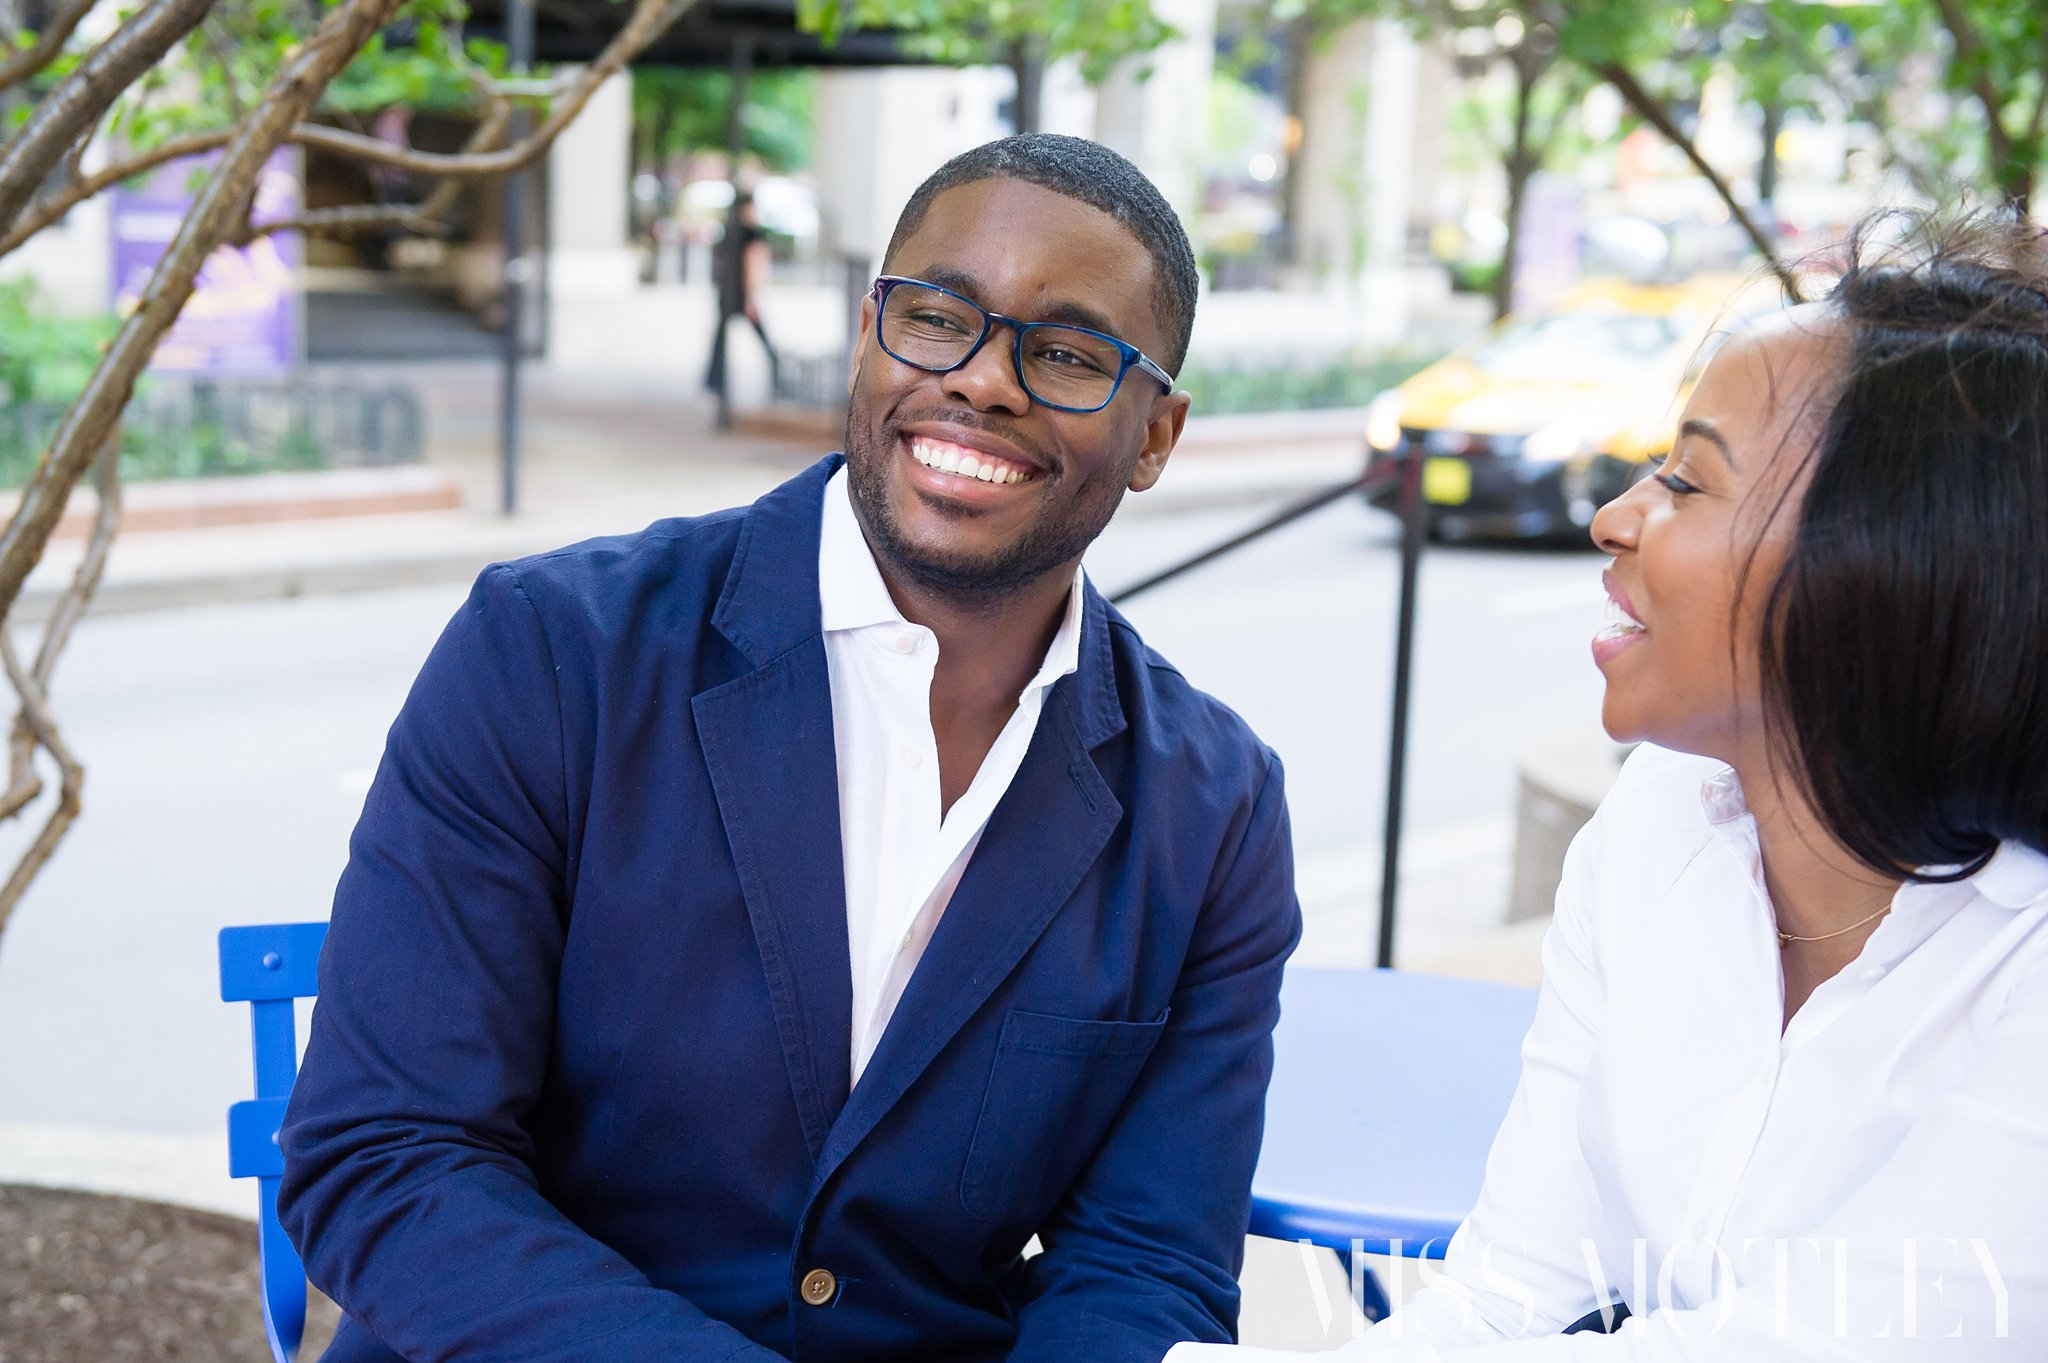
pixel 587 1079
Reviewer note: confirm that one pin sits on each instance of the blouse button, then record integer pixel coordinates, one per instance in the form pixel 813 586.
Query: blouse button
pixel 904 643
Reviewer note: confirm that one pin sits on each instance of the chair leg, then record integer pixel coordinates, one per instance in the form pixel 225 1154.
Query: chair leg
pixel 1366 1292
pixel 284 1280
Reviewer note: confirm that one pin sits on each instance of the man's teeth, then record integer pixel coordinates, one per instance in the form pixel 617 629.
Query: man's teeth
pixel 951 458
pixel 1619 621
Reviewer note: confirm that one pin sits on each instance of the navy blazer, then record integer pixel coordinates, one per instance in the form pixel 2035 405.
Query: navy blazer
pixel 577 1085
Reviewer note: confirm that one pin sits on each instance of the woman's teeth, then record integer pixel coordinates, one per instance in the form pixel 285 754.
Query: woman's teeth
pixel 950 458
pixel 1619 623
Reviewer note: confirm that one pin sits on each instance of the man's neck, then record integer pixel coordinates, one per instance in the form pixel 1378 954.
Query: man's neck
pixel 988 647
pixel 989 650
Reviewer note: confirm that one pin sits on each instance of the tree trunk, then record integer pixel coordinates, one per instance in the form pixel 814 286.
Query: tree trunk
pixel 1767 163
pixel 1027 64
pixel 1522 162
pixel 1294 174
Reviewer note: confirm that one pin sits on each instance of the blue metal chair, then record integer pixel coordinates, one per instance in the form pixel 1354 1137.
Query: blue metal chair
pixel 1387 1090
pixel 269 967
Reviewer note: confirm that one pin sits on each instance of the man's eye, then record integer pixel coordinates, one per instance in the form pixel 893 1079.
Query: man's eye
pixel 938 321
pixel 1063 357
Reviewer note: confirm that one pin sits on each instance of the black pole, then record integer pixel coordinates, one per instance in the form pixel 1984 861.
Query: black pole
pixel 730 270
pixel 1286 515
pixel 1413 514
pixel 518 269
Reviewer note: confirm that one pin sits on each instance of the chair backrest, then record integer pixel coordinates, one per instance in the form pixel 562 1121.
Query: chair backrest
pixel 268 967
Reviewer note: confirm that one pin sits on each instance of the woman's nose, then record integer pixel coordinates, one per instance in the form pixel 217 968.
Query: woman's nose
pixel 1616 525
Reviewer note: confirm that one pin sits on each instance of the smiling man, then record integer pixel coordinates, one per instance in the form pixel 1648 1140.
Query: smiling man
pixel 763 926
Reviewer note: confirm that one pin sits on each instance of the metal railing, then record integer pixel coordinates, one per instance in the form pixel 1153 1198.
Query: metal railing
pixel 222 427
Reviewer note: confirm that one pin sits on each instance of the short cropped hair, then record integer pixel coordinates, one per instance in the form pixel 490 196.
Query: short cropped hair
pixel 1094 175
pixel 1904 656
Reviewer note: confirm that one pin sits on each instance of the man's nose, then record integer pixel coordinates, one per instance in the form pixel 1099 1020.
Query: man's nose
pixel 989 379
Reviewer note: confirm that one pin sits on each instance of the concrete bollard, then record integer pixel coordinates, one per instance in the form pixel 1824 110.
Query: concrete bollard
pixel 1564 775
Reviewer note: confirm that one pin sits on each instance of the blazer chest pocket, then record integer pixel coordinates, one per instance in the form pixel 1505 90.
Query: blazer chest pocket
pixel 1054 1088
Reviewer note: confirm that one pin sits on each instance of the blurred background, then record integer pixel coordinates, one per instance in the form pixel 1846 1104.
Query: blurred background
pixel 1502 235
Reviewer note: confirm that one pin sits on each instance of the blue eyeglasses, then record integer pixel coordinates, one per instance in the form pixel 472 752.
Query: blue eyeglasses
pixel 1069 368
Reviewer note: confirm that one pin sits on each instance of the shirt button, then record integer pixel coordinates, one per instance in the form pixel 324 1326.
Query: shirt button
pixel 818 1287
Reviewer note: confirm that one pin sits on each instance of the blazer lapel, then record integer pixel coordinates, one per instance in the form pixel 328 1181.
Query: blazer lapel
pixel 768 745
pixel 1045 834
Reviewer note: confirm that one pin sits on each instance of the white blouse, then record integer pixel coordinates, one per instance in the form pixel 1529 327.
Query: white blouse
pixel 1871 1184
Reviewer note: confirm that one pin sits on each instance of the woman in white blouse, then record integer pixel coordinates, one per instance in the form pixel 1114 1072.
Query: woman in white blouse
pixel 1786 1094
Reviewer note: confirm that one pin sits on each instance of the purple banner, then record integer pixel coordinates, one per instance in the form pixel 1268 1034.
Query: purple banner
pixel 244 317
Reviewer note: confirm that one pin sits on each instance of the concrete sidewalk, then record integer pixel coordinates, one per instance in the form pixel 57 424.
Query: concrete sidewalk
pixel 602 456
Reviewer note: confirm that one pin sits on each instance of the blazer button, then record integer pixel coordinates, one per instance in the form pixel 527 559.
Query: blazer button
pixel 818 1286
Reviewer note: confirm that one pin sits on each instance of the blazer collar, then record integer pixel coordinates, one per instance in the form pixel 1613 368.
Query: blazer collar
pixel 770 601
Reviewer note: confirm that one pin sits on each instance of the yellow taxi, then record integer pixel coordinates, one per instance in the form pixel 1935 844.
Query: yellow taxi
pixel 1527 431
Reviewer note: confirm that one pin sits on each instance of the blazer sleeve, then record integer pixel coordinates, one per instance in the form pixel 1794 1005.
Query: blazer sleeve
pixel 1146 1248
pixel 409 1185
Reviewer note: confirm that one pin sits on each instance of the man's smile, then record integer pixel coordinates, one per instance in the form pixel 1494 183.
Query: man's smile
pixel 967 462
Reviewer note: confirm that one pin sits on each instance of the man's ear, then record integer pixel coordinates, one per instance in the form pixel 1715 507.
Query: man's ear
pixel 1162 433
pixel 860 344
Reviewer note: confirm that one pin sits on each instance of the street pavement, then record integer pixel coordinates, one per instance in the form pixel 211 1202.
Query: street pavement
pixel 229 744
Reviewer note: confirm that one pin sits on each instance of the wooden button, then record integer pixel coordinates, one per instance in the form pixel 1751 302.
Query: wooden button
pixel 818 1286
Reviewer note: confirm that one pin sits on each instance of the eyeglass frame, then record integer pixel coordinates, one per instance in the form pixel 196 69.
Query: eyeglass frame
pixel 1132 357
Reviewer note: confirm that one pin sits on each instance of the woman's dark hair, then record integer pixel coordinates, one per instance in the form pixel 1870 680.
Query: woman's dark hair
pixel 1904 655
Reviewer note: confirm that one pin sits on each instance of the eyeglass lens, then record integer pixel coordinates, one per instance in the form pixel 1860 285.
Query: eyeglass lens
pixel 1063 366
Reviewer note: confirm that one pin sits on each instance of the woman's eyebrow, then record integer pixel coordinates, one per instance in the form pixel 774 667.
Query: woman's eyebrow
pixel 1705 431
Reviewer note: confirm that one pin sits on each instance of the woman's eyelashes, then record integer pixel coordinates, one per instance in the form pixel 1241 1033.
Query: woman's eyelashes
pixel 1669 474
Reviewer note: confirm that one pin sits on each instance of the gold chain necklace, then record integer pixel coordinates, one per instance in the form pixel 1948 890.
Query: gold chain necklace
pixel 1786 939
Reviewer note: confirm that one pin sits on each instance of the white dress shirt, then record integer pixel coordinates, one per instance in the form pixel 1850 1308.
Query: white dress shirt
pixel 1755 1197
pixel 902 859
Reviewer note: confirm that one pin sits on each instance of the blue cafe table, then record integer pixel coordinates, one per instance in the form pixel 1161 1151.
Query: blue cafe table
pixel 1387 1090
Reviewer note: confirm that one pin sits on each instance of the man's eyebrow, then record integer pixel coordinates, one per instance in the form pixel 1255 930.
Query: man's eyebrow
pixel 1705 431
pixel 1074 314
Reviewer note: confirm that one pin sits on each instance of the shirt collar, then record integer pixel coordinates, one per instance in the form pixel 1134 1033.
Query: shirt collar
pixel 852 595
pixel 1721 798
pixel 2015 877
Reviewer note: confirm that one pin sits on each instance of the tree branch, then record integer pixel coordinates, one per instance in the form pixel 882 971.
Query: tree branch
pixel 1970 51
pixel 649 20
pixel 1859 105
pixel 80 100
pixel 220 205
pixel 1653 112
pixel 423 217
pixel 55 206
pixel 34 725
pixel 225 60
pixel 42 727
pixel 23 785
pixel 39 54
pixel 466 165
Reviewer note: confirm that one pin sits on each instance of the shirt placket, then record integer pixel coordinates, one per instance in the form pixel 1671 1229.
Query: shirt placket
pixel 911 809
